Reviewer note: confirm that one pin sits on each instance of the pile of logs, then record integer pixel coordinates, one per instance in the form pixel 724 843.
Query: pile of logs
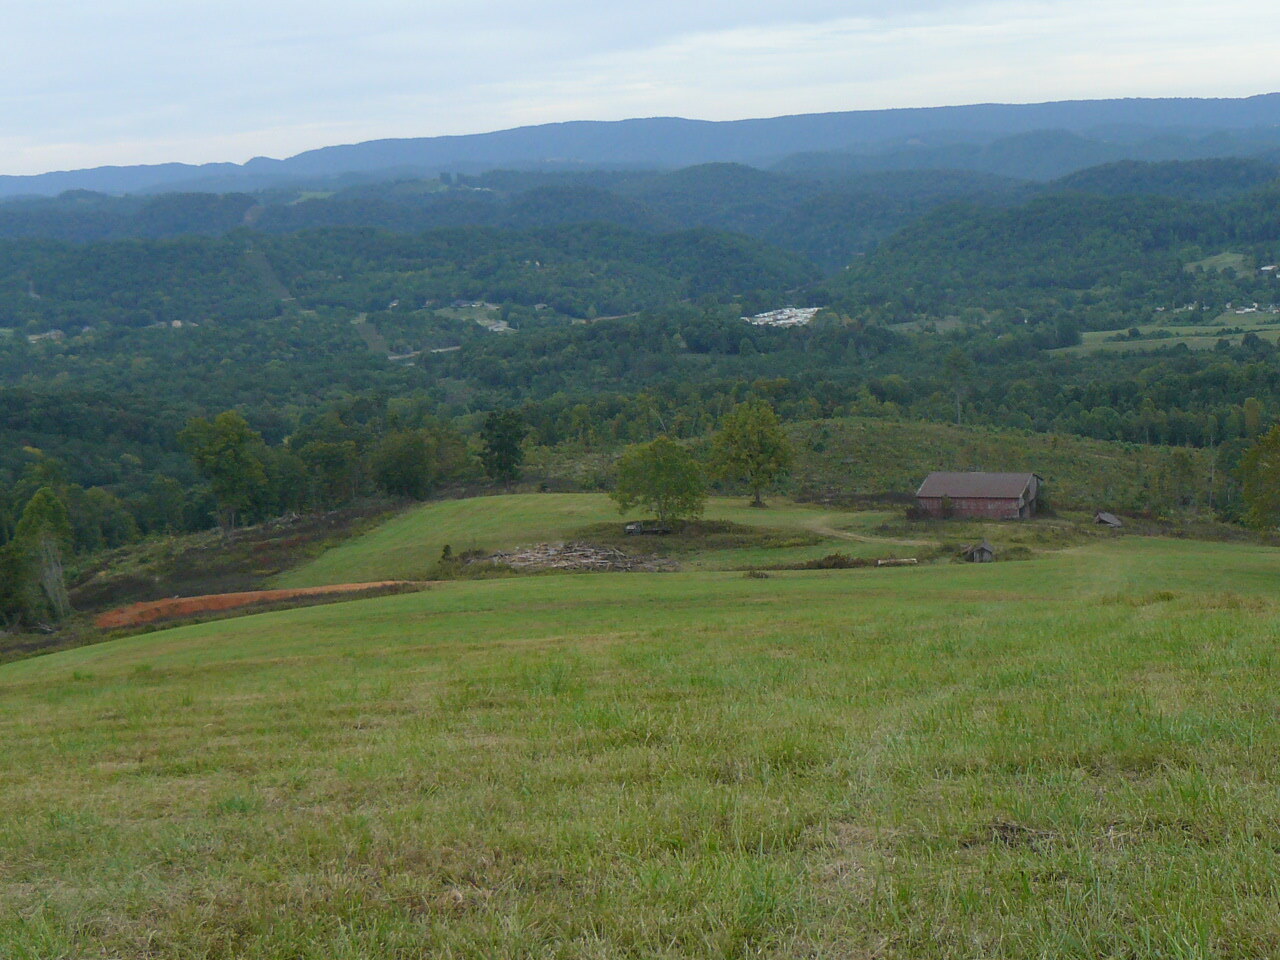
pixel 576 556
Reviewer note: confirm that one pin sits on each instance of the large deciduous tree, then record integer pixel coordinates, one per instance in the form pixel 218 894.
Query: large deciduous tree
pixel 230 455
pixel 752 447
pixel 663 477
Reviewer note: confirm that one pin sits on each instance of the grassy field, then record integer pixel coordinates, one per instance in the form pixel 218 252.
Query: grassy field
pixel 1156 336
pixel 408 547
pixel 1070 757
pixel 1237 263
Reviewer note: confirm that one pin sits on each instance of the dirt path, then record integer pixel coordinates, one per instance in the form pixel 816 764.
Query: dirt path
pixel 150 611
pixel 824 530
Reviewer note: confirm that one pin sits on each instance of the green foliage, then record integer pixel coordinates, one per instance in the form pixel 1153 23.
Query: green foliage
pixel 295 329
pixel 752 447
pixel 45 518
pixel 401 464
pixel 661 476
pixel 502 438
pixel 1260 472
pixel 12 576
pixel 230 455
pixel 42 539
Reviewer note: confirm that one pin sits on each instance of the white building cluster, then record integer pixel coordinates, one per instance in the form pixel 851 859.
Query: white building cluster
pixel 786 317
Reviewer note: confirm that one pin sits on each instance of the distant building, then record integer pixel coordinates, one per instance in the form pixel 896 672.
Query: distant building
pixel 786 317
pixel 986 496
pixel 982 552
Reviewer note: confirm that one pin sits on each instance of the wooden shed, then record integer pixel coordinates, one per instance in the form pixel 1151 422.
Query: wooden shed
pixel 988 496
pixel 982 552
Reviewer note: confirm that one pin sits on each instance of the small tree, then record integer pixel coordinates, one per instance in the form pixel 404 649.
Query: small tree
pixel 663 477
pixel 752 447
pixel 502 437
pixel 43 537
pixel 1260 472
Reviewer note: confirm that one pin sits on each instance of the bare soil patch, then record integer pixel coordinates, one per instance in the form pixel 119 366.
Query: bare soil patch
pixel 577 556
pixel 138 614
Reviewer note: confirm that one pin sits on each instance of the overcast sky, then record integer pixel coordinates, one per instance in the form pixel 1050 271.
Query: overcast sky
pixel 148 81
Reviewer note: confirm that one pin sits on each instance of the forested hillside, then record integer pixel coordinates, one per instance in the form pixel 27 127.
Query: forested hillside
pixel 826 219
pixel 1101 262
pixel 384 324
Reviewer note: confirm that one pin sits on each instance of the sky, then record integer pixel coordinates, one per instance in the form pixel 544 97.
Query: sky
pixel 149 81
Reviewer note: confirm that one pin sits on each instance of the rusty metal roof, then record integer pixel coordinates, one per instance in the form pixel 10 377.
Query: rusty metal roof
pixel 976 486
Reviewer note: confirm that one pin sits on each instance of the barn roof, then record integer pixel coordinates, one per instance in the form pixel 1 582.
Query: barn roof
pixel 998 486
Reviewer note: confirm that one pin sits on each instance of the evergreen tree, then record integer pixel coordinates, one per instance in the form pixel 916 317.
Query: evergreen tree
pixel 502 437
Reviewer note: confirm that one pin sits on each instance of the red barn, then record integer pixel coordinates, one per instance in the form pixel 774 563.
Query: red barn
pixel 986 496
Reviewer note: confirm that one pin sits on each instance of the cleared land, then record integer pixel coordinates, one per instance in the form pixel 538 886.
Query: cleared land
pixel 408 547
pixel 1230 327
pixel 1237 263
pixel 866 456
pixel 1071 757
pixel 150 611
pixel 841 460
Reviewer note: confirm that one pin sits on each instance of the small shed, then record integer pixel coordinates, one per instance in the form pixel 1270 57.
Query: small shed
pixel 982 552
pixel 1108 520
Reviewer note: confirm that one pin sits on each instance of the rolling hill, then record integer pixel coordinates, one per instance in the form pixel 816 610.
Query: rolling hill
pixel 1069 757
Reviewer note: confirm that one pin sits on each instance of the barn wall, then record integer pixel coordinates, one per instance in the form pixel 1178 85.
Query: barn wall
pixel 985 508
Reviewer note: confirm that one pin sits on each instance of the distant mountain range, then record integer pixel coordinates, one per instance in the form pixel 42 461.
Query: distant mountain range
pixel 1036 141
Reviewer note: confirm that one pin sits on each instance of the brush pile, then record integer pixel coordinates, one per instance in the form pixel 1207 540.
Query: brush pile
pixel 577 556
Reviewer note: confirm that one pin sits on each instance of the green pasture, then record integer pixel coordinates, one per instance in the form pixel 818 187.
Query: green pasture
pixel 1266 326
pixel 1237 263
pixel 1075 756
pixel 409 546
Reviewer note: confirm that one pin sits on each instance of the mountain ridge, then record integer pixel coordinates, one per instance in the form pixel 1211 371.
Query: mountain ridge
pixel 665 142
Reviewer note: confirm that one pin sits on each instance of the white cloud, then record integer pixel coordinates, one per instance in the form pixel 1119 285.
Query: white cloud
pixel 150 81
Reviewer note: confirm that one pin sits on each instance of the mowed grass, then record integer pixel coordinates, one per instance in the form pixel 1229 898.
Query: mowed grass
pixel 1072 757
pixel 409 546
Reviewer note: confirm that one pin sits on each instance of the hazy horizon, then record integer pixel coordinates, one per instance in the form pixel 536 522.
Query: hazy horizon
pixel 138 81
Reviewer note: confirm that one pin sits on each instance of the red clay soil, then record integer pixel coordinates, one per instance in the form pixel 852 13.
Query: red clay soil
pixel 140 613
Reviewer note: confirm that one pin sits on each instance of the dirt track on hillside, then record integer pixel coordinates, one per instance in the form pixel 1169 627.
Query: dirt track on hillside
pixel 140 613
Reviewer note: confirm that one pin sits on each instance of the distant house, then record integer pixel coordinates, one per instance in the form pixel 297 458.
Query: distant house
pixel 982 552
pixel 1108 519
pixel 986 496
